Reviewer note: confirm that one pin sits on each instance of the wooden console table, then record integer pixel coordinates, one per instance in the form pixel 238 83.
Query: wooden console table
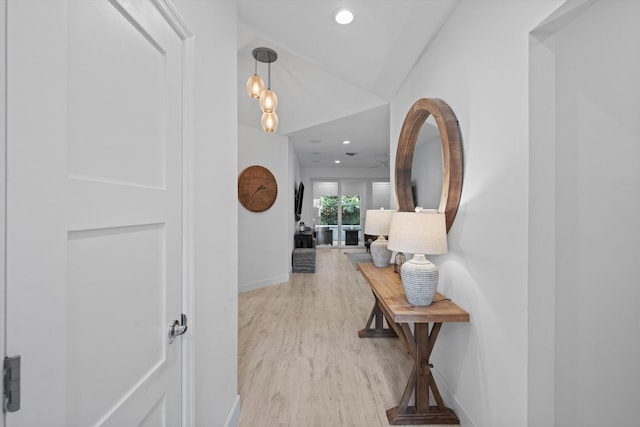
pixel 391 304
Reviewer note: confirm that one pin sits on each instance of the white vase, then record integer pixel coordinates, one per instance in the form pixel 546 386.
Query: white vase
pixel 419 280
pixel 380 255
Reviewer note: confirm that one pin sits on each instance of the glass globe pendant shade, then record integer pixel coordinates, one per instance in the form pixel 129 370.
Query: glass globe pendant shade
pixel 268 101
pixel 269 122
pixel 255 86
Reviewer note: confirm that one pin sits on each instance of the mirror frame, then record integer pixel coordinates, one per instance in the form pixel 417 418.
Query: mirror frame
pixel 452 167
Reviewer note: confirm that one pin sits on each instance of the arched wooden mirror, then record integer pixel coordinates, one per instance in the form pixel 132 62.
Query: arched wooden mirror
pixel 452 169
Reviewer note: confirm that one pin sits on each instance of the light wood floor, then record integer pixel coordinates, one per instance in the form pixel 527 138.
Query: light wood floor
pixel 300 361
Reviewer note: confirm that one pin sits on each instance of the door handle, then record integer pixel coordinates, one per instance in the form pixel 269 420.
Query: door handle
pixel 177 328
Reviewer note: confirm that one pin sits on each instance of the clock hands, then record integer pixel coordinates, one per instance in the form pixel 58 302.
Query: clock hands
pixel 262 187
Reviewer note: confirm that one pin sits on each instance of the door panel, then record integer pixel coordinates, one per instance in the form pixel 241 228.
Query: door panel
pixel 117 97
pixel 94 212
pixel 115 267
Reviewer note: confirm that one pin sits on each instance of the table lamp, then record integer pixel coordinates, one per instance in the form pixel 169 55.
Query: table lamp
pixel 419 233
pixel 377 223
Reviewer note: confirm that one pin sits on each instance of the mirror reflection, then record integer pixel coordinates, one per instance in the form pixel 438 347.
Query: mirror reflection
pixel 427 167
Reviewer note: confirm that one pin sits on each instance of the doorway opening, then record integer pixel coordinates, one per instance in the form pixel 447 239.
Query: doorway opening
pixel 339 208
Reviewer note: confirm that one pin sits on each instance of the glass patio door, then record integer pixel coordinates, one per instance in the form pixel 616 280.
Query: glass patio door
pixel 325 213
pixel 338 210
pixel 352 198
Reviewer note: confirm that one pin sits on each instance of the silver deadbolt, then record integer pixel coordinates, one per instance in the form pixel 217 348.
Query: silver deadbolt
pixel 177 327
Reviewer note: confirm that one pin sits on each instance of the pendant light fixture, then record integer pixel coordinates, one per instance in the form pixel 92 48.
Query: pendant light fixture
pixel 268 99
pixel 255 84
pixel 269 122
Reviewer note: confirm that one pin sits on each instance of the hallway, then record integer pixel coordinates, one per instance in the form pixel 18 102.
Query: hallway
pixel 301 363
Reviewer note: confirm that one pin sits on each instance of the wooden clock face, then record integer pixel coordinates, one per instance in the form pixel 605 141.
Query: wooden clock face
pixel 257 188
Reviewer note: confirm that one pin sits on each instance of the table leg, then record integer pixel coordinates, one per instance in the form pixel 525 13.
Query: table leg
pixel 379 331
pixel 420 383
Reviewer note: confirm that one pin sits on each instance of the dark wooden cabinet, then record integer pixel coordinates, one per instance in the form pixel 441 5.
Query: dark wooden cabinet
pixel 351 237
pixel 303 259
pixel 324 236
pixel 303 239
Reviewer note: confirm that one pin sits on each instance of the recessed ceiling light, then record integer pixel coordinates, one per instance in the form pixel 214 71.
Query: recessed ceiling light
pixel 336 161
pixel 346 141
pixel 343 16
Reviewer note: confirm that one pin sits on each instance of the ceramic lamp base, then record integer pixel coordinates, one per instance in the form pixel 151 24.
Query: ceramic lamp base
pixel 419 280
pixel 379 253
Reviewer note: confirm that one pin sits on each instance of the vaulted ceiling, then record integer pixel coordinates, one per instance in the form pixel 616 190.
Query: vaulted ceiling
pixel 334 82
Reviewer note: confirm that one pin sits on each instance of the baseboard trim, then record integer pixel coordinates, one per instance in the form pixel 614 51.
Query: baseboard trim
pixel 262 283
pixel 234 415
pixel 451 400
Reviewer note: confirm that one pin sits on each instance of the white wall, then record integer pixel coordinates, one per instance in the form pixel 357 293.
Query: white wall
pixel 214 327
pixel 339 172
pixel 3 149
pixel 381 194
pixel 295 177
pixel 591 151
pixel 478 64
pixel 265 239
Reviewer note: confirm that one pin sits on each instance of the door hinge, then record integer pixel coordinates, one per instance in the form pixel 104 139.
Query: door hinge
pixel 11 380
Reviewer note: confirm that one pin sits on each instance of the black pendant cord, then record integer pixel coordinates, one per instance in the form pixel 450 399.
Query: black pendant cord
pixel 269 76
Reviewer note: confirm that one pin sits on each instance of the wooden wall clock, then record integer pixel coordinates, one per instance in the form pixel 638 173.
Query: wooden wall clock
pixel 257 188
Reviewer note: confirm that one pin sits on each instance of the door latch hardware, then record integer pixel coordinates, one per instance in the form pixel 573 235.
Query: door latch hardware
pixel 178 327
pixel 11 379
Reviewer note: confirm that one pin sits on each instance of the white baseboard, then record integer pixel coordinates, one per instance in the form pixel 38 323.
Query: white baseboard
pixel 234 415
pixel 245 287
pixel 451 400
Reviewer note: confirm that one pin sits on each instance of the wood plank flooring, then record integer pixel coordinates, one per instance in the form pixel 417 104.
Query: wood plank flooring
pixel 300 361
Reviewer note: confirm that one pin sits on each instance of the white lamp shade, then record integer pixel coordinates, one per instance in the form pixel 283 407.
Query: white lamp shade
pixel 418 233
pixel 377 222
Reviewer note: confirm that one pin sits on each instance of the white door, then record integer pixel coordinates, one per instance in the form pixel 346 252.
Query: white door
pixel 94 212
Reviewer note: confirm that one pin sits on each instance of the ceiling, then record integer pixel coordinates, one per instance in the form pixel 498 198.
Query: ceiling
pixel 334 82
